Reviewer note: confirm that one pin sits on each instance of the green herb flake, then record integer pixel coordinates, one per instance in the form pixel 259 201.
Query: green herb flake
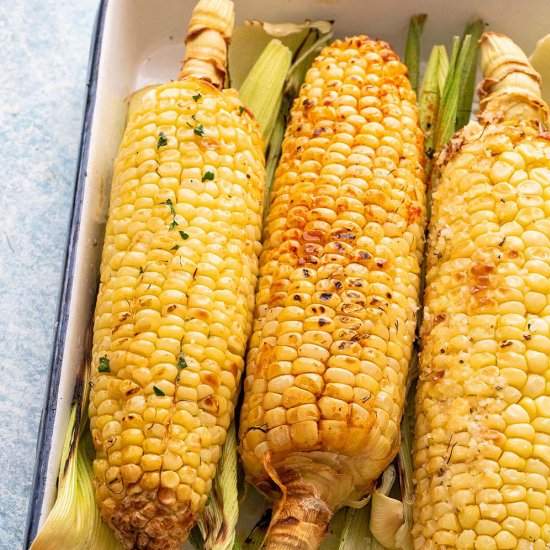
pixel 208 176
pixel 196 97
pixel 175 247
pixel 172 225
pixel 241 109
pixel 194 117
pixel 162 141
pixel 104 364
pixel 182 364
pixel 158 391
pixel 199 130
pixel 184 235
pixel 171 205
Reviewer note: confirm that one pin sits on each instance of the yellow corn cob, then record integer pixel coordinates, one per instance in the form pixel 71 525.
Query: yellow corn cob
pixel 482 450
pixel 338 292
pixel 174 308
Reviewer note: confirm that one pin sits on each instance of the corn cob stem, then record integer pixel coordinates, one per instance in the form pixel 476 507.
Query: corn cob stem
pixel 207 39
pixel 511 87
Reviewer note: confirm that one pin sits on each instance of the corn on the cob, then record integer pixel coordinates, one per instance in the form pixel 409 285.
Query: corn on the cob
pixel 338 291
pixel 174 308
pixel 482 450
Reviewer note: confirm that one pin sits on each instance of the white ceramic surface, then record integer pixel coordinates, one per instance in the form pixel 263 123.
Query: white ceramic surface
pixel 142 44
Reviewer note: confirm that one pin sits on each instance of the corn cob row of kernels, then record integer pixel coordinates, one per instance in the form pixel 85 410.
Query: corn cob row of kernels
pixel 174 309
pixel 338 291
pixel 482 456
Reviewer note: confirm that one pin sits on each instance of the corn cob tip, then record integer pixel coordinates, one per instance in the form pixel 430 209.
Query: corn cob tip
pixel 208 36
pixel 511 87
pixel 148 520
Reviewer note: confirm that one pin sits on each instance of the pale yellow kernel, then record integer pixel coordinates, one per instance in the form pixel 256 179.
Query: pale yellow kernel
pixel 514 525
pixel 150 480
pixel 469 516
pixel 465 540
pixel 169 479
pixel 131 454
pixel 151 462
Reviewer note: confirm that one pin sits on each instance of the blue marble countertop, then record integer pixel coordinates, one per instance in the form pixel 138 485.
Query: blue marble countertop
pixel 44 48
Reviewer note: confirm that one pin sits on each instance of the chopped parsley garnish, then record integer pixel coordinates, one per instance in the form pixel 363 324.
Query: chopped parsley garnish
pixel 182 363
pixel 196 97
pixel 184 235
pixel 162 141
pixel 175 247
pixel 194 117
pixel 104 364
pixel 199 130
pixel 241 109
pixel 158 391
pixel 208 176
pixel 172 225
pixel 171 205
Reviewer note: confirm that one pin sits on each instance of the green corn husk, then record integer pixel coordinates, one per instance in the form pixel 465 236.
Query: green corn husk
pixel 255 539
pixel 412 48
pixel 262 90
pixel 74 522
pixel 468 76
pixel 248 42
pixel 446 122
pixel 355 532
pixel 216 525
pixel 430 95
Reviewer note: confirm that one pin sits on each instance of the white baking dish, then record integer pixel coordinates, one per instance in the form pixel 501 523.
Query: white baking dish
pixel 140 42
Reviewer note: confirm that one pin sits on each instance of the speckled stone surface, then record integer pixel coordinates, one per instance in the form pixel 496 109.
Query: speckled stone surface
pixel 44 48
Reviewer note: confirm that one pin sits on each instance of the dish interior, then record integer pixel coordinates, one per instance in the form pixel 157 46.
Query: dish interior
pixel 142 43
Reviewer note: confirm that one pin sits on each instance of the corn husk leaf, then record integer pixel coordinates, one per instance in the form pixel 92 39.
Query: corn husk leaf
pixel 74 521
pixel 412 48
pixel 349 529
pixel 262 89
pixel 255 539
pixel 273 153
pixel 430 95
pixel 251 39
pixel 470 53
pixel 540 59
pixel 218 521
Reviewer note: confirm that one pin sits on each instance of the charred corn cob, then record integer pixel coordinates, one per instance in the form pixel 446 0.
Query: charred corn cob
pixel 175 302
pixel 338 293
pixel 482 450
